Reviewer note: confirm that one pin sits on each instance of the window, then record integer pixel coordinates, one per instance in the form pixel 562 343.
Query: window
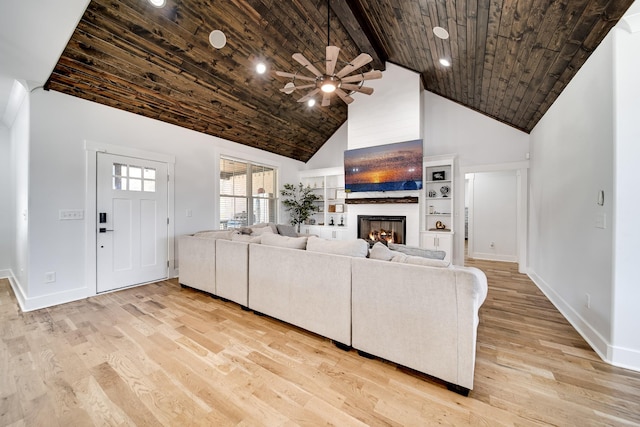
pixel 133 178
pixel 247 193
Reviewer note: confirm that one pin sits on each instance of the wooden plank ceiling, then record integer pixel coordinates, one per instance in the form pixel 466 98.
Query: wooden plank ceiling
pixel 510 59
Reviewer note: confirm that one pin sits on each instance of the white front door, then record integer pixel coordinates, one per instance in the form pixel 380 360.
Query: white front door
pixel 131 219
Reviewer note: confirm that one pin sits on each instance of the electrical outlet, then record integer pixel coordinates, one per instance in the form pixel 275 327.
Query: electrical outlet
pixel 50 277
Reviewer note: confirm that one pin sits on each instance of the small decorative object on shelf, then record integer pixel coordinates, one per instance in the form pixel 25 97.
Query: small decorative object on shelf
pixel 440 225
pixel 432 210
pixel 339 208
pixel 341 221
pixel 331 222
pixel 438 176
pixel 445 190
pixel 432 193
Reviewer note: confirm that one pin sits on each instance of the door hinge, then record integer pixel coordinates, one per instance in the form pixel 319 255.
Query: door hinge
pixel 167 264
pixel 167 221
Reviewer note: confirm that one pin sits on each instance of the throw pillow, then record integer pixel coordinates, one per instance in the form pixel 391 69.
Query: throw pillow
pixel 415 251
pixel 287 230
pixel 244 230
pixel 271 239
pixel 354 248
pixel 417 260
pixel 381 251
pixel 261 231
pixel 271 225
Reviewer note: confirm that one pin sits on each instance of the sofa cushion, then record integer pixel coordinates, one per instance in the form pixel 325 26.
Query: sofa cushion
pixel 287 230
pixel 216 234
pixel 354 248
pixel 271 239
pixel 246 238
pixel 418 260
pixel 415 251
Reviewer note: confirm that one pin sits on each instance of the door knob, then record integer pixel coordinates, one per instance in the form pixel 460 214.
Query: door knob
pixel 103 230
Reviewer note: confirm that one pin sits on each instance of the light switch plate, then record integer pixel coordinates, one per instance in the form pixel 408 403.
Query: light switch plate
pixel 71 214
pixel 601 220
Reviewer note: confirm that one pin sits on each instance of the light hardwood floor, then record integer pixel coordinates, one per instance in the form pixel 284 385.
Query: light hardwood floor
pixel 163 355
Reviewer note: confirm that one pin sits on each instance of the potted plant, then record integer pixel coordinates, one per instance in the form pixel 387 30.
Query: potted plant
pixel 298 202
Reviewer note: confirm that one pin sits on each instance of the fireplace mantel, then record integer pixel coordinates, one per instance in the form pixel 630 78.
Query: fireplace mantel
pixel 381 200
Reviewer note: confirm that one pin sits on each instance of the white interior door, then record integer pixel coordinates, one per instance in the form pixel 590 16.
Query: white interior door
pixel 131 221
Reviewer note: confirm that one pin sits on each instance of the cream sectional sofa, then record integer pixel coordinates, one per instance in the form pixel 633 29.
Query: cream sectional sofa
pixel 419 313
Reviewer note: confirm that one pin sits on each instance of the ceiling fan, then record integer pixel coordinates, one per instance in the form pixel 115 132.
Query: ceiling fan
pixel 330 82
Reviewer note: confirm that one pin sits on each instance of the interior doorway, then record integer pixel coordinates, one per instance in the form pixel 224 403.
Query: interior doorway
pixel 494 213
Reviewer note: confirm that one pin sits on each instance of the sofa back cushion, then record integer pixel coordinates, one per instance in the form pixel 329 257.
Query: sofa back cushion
pixel 271 239
pixel 216 234
pixel 354 248
pixel 415 251
pixel 246 238
pixel 418 260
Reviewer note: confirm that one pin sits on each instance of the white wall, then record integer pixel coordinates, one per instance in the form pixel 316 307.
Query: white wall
pixel 493 216
pixel 7 234
pixel 331 153
pixel 60 126
pixel 19 135
pixel 450 128
pixel 570 258
pixel 391 114
pixel 625 340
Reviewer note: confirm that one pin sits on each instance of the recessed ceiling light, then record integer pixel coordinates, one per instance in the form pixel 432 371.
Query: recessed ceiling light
pixel 217 39
pixel 158 3
pixel 441 33
pixel 261 68
pixel 311 102
pixel 445 62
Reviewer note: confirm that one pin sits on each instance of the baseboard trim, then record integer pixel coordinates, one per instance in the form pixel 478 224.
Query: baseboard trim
pixel 17 289
pixel 624 358
pixel 591 335
pixel 5 274
pixel 493 257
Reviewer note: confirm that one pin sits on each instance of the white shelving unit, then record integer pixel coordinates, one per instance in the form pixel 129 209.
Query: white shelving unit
pixel 328 184
pixel 438 205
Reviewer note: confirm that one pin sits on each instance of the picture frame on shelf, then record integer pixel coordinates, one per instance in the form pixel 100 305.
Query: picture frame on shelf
pixel 438 176
pixel 339 208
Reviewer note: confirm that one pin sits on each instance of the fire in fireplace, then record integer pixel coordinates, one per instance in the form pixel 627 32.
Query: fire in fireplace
pixel 379 228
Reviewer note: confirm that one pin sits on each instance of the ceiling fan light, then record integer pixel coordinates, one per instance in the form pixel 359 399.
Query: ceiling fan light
pixel 311 102
pixel 289 88
pixel 261 68
pixel 328 87
pixel 158 3
pixel 445 62
pixel 329 84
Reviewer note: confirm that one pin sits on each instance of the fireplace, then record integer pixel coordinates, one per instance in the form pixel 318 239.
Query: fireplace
pixel 382 228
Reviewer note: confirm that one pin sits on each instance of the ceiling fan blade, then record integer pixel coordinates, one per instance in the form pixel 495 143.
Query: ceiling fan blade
pixel 332 59
pixel 305 63
pixel 295 76
pixel 362 59
pixel 356 88
pixel 326 100
pixel 309 95
pixel 346 98
pixel 369 75
pixel 291 89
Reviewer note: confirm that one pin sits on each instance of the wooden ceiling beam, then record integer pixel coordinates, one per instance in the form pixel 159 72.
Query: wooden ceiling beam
pixel 355 22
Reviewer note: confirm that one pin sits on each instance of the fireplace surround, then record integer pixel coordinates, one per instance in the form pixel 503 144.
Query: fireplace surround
pixel 382 228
